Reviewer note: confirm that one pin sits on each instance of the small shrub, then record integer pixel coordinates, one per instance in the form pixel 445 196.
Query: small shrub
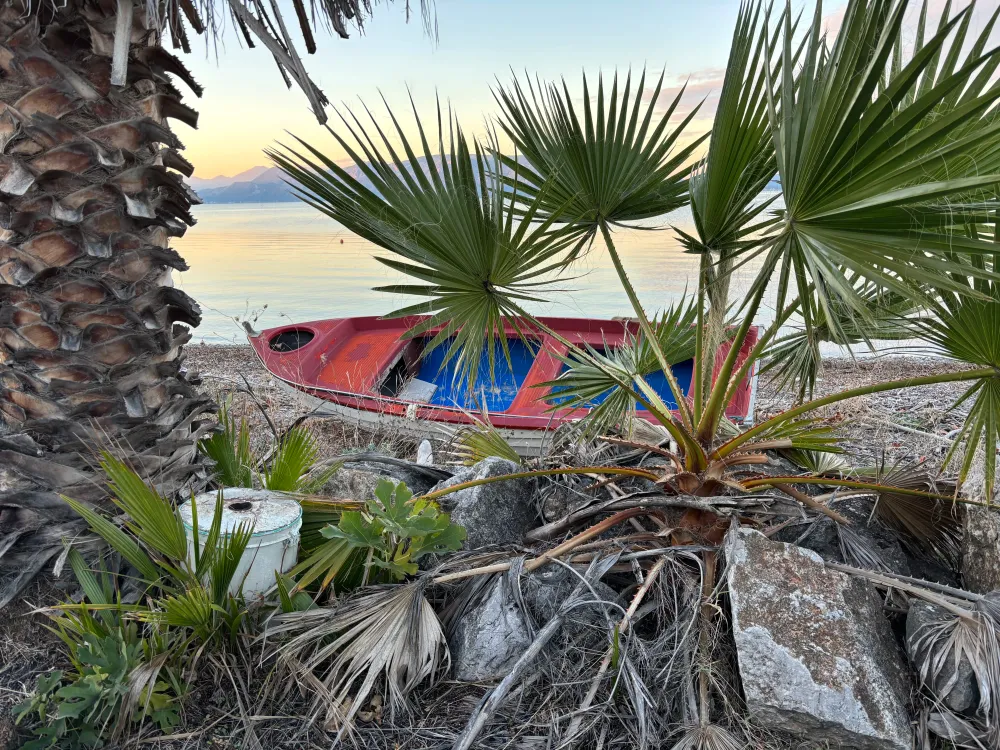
pixel 288 467
pixel 127 657
pixel 111 687
pixel 382 542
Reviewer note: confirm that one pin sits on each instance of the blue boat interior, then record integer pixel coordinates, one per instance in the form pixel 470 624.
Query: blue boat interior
pixel 498 394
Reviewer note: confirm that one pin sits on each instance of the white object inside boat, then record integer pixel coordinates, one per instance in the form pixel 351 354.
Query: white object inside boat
pixel 417 390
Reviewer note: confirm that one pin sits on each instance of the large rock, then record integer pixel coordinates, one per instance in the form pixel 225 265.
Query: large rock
pixel 490 637
pixel 350 483
pixel 816 655
pixel 981 550
pixel 493 633
pixel 824 536
pixel 357 479
pixel 956 687
pixel 498 513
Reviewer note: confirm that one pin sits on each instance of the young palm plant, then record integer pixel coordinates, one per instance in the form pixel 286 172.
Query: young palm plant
pixel 888 166
pixel 879 195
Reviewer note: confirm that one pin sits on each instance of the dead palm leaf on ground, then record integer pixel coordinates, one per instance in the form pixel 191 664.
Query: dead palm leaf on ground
pixel 385 638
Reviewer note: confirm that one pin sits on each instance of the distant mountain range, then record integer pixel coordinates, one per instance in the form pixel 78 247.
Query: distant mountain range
pixel 255 185
pixel 266 185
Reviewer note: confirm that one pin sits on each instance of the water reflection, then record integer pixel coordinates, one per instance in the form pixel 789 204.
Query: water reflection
pixel 302 266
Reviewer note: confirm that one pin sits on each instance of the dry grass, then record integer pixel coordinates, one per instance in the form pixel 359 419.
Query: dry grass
pixel 27 650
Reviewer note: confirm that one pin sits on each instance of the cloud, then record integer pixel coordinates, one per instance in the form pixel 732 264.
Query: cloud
pixel 699 87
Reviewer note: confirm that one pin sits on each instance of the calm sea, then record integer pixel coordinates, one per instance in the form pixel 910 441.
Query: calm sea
pixel 278 263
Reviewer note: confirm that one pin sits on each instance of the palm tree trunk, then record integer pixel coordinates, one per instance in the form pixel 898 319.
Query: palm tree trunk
pixel 91 191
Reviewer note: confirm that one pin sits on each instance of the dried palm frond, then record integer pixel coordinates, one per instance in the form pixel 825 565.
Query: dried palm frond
pixel 342 652
pixel 708 737
pixel 949 640
pixel 859 551
pixel 929 525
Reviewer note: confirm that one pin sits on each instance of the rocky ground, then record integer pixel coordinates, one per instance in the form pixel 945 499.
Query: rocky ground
pixel 787 707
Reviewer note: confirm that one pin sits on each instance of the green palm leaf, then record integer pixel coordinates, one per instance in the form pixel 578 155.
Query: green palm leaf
pixel 480 440
pixel 877 171
pixel 968 330
pixel 293 457
pixel 619 165
pixel 476 256
pixel 793 360
pixel 593 379
pixel 230 449
pixel 152 518
pixel 727 183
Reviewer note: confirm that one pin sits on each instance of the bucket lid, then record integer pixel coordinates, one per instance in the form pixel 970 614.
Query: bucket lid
pixel 267 511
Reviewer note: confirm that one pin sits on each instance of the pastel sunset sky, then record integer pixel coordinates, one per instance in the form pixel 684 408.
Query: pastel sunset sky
pixel 246 106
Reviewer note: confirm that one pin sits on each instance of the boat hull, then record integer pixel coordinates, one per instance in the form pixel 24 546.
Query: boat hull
pixel 362 370
pixel 527 443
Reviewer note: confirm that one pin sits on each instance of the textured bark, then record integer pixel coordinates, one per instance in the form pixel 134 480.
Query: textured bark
pixel 91 330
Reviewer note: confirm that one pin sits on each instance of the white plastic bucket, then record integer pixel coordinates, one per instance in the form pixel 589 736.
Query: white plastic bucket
pixel 274 546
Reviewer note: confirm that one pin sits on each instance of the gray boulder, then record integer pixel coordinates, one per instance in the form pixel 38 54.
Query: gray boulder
pixel 350 483
pixel 487 640
pixel 360 474
pixel 981 550
pixel 956 687
pixel 816 655
pixel 499 513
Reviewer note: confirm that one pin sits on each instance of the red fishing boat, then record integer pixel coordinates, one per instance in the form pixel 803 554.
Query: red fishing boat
pixel 368 370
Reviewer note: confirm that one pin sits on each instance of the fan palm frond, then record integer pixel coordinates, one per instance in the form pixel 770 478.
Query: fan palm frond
pixel 293 457
pixel 879 181
pixel 968 330
pixel 923 523
pixel 727 182
pixel 948 640
pixel 708 737
pixel 794 360
pixel 388 633
pixel 481 440
pixel 152 518
pixel 478 256
pixel 593 378
pixel 816 462
pixel 612 167
pixel 230 449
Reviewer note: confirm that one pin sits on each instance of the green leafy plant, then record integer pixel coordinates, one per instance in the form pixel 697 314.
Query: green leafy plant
pixel 110 688
pixel 127 656
pixel 381 542
pixel 287 467
pixel 230 449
